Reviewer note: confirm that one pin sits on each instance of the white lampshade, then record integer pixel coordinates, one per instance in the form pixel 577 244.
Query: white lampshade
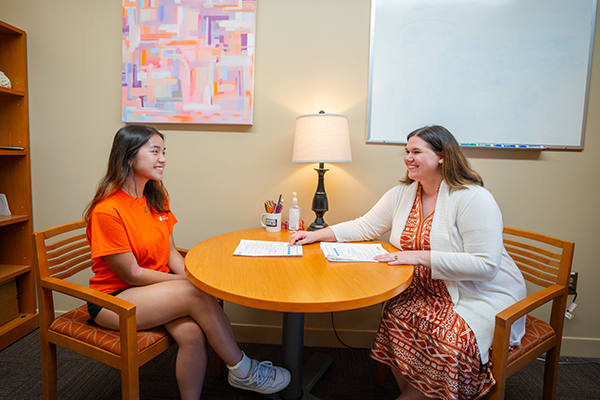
pixel 322 138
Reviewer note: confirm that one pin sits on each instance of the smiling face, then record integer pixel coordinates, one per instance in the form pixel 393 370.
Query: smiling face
pixel 149 162
pixel 422 162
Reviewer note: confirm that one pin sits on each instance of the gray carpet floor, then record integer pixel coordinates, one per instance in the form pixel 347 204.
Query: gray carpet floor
pixel 351 376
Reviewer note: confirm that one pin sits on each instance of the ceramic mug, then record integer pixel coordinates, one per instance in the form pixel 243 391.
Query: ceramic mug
pixel 271 221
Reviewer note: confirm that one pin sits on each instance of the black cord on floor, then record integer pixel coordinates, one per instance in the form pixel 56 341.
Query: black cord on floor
pixel 338 338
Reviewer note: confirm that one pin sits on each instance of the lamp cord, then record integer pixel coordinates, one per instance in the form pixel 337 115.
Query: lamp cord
pixel 338 337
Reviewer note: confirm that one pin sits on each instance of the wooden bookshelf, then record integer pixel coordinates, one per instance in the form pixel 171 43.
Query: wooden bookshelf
pixel 16 255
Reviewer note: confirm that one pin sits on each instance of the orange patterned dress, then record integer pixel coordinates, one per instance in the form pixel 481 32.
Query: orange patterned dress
pixel 422 336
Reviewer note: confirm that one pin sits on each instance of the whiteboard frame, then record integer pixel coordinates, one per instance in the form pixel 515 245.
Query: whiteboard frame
pixel 372 139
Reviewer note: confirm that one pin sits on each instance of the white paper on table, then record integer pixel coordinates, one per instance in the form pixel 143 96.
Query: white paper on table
pixel 352 252
pixel 265 248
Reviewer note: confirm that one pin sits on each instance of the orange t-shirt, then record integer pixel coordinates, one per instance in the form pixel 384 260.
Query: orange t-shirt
pixel 120 224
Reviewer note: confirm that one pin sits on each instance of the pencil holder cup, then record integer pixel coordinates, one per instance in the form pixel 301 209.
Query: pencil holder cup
pixel 272 222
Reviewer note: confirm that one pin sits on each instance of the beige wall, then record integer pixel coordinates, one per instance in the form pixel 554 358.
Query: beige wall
pixel 218 177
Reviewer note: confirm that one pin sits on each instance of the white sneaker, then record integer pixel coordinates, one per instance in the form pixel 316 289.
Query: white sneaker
pixel 263 378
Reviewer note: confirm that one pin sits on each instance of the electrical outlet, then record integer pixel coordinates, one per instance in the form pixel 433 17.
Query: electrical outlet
pixel 573 283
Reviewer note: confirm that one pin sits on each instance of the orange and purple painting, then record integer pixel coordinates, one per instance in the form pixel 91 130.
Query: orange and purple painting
pixel 188 61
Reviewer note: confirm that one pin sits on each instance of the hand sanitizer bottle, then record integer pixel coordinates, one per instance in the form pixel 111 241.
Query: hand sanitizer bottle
pixel 294 215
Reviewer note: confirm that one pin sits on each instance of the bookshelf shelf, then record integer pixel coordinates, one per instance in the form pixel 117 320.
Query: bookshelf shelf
pixel 11 92
pixel 12 219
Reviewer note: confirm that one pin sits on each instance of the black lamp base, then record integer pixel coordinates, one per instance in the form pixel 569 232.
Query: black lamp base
pixel 317 224
pixel 320 203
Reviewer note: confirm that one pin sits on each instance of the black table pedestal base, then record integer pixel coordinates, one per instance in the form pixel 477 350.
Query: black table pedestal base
pixel 304 378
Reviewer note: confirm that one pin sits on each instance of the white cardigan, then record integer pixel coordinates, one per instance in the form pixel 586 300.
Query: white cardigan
pixel 466 252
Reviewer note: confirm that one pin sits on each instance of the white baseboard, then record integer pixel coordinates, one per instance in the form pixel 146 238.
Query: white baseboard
pixel 316 337
pixel 313 337
pixel 580 347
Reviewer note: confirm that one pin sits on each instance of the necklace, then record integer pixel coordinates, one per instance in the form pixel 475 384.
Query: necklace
pixel 137 200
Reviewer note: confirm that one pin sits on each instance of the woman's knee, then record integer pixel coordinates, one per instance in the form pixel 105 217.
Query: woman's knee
pixel 186 331
pixel 199 296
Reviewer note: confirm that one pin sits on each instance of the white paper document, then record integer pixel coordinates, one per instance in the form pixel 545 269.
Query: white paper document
pixel 265 248
pixel 352 252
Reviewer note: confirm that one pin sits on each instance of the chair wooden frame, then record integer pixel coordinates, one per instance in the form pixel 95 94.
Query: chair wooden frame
pixel 546 262
pixel 61 252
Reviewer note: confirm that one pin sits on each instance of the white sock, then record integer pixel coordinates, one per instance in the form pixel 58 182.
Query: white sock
pixel 241 369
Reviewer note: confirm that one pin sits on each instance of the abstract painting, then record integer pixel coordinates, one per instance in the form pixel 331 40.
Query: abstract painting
pixel 188 61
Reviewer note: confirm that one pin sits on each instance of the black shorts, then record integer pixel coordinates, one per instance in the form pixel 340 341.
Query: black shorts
pixel 94 309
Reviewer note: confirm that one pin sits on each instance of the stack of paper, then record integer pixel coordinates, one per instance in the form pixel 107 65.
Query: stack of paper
pixel 265 248
pixel 352 252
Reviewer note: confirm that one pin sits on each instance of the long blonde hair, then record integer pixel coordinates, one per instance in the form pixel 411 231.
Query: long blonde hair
pixel 126 144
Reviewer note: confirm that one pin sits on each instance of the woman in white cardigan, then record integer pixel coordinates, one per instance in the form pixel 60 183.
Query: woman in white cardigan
pixel 436 335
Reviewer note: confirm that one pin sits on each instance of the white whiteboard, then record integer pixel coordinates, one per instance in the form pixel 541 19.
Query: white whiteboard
pixel 491 71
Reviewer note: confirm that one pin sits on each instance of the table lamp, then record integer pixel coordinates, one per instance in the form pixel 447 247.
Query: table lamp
pixel 321 138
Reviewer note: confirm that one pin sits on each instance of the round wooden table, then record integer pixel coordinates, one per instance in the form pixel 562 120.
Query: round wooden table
pixel 293 285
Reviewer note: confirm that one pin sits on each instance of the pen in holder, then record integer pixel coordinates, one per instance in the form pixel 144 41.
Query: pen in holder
pixel 271 219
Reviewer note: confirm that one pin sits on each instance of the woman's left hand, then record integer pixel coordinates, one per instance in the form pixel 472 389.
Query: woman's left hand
pixel 406 258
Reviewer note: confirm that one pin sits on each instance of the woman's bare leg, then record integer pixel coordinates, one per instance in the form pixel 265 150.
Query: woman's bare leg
pixel 399 379
pixel 407 391
pixel 164 302
pixel 191 361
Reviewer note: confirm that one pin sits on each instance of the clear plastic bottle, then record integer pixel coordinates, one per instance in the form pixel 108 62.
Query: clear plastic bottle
pixel 294 215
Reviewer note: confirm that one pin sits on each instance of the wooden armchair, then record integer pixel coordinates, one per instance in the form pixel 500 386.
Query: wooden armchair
pixel 60 253
pixel 546 262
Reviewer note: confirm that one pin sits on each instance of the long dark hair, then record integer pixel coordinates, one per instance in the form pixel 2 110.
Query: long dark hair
pixel 126 144
pixel 456 170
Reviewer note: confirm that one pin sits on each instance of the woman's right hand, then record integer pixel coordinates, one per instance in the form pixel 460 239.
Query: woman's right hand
pixel 306 237
pixel 302 237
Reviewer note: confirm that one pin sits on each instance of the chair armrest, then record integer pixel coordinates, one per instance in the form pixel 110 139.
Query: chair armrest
pixel 506 317
pixel 183 252
pixel 121 307
pixel 125 310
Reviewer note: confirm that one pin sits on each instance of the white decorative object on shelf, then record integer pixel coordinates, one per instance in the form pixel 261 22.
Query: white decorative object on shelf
pixel 4 81
pixel 4 210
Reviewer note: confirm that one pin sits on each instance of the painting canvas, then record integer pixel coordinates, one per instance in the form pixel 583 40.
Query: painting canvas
pixel 188 61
